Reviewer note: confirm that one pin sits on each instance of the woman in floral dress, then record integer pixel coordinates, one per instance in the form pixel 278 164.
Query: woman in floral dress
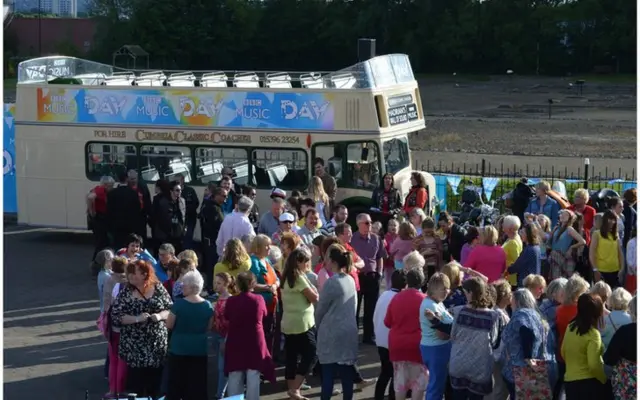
pixel 140 310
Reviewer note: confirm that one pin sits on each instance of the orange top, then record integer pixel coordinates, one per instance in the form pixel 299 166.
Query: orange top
pixel 564 315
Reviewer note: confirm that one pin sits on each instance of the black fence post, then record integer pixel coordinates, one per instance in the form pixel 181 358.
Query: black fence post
pixel 586 173
pixel 482 172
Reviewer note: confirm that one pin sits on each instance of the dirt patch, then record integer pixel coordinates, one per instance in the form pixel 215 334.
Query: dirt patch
pixel 508 122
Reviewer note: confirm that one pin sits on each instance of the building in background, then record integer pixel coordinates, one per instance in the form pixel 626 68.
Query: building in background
pixel 60 8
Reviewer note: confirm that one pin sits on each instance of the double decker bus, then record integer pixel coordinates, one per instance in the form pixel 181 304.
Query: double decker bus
pixel 77 120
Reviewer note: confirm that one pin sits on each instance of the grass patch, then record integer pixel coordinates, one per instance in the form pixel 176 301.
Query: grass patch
pixel 10 83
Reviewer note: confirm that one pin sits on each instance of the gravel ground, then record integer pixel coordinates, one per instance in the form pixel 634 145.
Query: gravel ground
pixel 508 122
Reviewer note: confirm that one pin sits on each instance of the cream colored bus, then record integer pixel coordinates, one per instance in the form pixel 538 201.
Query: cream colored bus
pixel 77 120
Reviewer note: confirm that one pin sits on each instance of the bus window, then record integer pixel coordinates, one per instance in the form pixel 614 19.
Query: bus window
pixel 363 169
pixel 286 168
pixel 110 159
pixel 331 155
pixel 165 162
pixel 211 160
pixel 396 155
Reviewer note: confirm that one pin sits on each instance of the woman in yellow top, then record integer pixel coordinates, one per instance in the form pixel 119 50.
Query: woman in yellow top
pixel 234 260
pixel 582 350
pixel 605 251
pixel 513 245
pixel 298 323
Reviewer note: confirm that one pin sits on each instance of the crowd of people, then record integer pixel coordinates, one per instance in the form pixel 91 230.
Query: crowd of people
pixel 525 309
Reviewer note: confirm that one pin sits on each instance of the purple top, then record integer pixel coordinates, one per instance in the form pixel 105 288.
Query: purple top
pixel 464 253
pixel 246 347
pixel 370 249
pixel 400 248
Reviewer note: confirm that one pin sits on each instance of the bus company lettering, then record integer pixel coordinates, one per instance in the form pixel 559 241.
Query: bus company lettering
pixel 110 134
pixel 110 105
pixel 182 136
pixel 152 107
pixel 59 105
pixel 309 110
pixel 192 108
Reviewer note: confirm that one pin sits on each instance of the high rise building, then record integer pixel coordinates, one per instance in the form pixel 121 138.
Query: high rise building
pixel 66 8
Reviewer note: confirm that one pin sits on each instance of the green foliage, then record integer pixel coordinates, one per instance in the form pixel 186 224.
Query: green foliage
pixel 441 36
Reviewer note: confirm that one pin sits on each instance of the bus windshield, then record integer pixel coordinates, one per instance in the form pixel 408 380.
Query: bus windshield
pixel 396 154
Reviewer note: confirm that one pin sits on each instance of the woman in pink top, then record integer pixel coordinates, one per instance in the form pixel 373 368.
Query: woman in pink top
pixel 402 319
pixel 403 245
pixel 488 258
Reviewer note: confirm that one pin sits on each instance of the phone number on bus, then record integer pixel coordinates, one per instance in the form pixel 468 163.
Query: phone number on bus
pixel 280 139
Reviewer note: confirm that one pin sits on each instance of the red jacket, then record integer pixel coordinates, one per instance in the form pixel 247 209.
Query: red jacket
pixel 403 322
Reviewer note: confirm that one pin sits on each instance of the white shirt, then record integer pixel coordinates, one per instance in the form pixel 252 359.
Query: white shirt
pixel 234 226
pixel 379 329
pixel 632 261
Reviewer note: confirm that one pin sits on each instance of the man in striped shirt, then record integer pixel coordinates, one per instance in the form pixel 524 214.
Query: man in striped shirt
pixel 340 215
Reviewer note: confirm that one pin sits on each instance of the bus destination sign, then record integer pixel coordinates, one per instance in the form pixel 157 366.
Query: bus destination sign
pixel 402 109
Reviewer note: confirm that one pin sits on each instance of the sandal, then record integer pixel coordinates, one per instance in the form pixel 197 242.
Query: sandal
pixel 295 396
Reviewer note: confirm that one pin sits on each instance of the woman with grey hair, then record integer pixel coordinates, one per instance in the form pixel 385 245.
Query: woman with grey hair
pixel 554 297
pixel 618 304
pixel 247 240
pixel 526 337
pixel 621 355
pixel 190 320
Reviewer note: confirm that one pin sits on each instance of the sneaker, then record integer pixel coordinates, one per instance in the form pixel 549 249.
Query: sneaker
pixel 304 386
pixel 365 383
pixel 336 392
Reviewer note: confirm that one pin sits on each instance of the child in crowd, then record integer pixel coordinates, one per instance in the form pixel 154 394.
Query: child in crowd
pixel 376 228
pixel 103 259
pixel 597 223
pixel 172 268
pixel 225 287
pixel 184 265
pixel 434 347
pixel 536 285
pixel 543 225
pixel 554 297
pixel 602 289
pixel 430 247
pixel 456 297
pixel 502 290
pixel 471 239
pixel 389 237
pixel 403 245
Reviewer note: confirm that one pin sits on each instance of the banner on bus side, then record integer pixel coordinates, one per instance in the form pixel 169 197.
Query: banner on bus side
pixel 10 204
pixel 180 107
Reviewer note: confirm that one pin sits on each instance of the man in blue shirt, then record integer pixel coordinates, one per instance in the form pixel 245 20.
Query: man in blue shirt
pixel 543 204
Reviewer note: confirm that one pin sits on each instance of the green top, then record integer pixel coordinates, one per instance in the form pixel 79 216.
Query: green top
pixel 297 315
pixel 189 334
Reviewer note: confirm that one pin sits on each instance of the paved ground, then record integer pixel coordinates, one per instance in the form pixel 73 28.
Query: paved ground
pixel 51 346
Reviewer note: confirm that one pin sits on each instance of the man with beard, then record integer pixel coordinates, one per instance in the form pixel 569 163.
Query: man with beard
pixel 340 215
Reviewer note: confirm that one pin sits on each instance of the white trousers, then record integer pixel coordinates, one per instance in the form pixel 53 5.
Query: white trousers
pixel 237 381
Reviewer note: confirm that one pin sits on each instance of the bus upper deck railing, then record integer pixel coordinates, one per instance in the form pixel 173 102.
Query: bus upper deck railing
pixel 375 73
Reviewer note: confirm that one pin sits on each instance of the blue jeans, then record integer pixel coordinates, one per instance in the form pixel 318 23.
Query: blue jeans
pixel 222 379
pixel 436 359
pixel 347 376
